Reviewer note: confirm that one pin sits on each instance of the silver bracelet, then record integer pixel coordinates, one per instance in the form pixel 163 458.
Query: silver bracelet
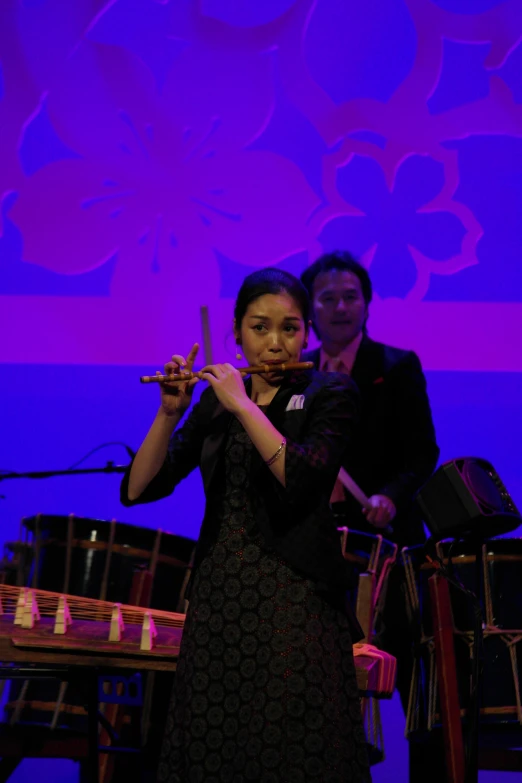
pixel 278 453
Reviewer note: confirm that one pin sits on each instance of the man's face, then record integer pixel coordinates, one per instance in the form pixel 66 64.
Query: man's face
pixel 339 307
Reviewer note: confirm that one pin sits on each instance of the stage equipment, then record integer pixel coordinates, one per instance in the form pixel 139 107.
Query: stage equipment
pixel 466 496
pixel 370 558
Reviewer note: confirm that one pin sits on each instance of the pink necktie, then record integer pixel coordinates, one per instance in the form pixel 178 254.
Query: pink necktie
pixel 333 364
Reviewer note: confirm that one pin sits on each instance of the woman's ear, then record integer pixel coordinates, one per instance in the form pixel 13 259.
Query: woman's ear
pixel 237 332
pixel 307 334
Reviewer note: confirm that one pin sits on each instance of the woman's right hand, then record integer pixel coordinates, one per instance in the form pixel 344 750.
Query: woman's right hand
pixel 176 395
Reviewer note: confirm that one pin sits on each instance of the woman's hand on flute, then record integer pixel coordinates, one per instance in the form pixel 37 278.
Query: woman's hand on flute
pixel 176 396
pixel 228 384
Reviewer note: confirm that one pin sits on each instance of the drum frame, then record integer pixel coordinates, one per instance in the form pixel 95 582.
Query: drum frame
pixel 510 637
pixel 371 592
pixel 371 588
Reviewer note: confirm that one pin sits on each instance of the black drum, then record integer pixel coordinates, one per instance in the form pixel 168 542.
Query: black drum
pixel 95 558
pixel 501 697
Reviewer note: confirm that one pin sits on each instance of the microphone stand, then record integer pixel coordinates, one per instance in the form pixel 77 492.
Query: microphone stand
pixel 110 467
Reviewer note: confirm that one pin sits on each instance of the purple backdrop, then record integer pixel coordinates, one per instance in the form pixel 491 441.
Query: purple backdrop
pixel 152 152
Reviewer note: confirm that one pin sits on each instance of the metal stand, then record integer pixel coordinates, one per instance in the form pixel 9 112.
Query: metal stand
pixel 93 765
pixel 472 751
pixel 110 467
pixel 89 676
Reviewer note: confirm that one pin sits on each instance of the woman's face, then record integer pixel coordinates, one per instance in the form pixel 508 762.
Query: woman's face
pixel 272 330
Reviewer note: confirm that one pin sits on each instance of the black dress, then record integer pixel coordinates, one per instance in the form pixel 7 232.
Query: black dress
pixel 265 688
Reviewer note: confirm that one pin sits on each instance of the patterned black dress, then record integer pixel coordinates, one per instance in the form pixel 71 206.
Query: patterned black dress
pixel 265 688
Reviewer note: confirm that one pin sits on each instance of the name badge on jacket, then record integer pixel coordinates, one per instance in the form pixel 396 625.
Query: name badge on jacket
pixel 296 403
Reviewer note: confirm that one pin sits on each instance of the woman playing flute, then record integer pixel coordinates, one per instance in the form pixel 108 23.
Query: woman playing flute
pixel 265 688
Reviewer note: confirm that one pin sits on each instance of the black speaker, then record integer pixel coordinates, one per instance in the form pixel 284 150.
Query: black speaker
pixel 466 496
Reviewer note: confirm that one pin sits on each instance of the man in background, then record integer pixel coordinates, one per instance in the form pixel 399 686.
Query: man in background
pixel 394 451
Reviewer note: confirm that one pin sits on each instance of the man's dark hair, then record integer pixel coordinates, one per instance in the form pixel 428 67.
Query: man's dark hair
pixel 344 262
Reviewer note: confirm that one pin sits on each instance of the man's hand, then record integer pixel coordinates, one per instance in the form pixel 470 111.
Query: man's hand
pixel 380 512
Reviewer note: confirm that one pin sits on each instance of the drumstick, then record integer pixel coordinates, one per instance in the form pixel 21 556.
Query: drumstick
pixel 353 488
pixel 205 332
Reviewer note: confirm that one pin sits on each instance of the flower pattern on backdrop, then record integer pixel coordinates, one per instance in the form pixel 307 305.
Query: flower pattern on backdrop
pixel 145 142
pixel 402 232
pixel 146 186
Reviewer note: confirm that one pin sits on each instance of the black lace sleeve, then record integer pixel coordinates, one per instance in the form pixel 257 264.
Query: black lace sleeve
pixel 182 457
pixel 312 465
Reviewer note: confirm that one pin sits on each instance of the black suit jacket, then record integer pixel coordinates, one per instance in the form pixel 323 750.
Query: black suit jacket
pixel 394 450
pixel 295 520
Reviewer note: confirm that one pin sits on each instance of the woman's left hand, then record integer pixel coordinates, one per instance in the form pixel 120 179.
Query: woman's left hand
pixel 228 384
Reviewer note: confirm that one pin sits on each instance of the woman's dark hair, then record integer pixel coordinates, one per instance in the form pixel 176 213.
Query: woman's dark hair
pixel 270 281
pixel 340 260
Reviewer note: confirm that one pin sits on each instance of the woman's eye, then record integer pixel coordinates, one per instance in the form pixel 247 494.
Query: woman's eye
pixel 259 327
pixel 291 328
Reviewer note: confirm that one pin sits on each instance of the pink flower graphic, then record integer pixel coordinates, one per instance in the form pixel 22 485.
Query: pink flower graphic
pixel 159 193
